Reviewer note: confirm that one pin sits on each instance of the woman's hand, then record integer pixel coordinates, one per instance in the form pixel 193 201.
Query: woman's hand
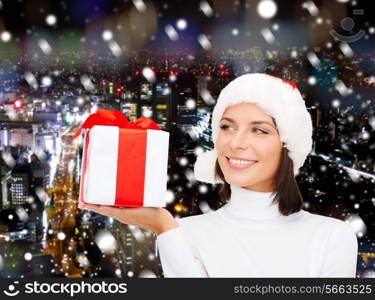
pixel 156 219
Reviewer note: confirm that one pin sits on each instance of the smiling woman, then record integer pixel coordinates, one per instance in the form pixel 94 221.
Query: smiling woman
pixel 270 154
pixel 262 134
pixel 248 142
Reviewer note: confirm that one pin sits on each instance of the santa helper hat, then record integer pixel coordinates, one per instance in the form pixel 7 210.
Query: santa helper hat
pixel 278 98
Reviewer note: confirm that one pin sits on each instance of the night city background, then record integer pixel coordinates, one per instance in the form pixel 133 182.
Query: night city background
pixel 62 60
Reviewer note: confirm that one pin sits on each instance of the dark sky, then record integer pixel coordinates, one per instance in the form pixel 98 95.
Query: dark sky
pixel 297 26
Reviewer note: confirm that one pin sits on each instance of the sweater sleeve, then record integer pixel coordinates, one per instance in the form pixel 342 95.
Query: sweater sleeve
pixel 341 253
pixel 177 257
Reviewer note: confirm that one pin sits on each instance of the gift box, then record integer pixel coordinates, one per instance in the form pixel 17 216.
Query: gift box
pixel 126 164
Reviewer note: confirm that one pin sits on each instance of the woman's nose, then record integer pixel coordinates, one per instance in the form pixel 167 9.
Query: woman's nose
pixel 239 140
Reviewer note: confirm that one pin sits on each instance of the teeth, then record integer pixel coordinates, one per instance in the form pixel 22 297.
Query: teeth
pixel 241 162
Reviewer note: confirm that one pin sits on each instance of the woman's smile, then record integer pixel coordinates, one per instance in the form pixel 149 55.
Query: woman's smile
pixel 239 164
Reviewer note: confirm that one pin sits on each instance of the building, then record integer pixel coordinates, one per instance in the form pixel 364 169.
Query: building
pixel 162 105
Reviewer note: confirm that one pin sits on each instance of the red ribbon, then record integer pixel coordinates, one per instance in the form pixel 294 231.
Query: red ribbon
pixel 115 118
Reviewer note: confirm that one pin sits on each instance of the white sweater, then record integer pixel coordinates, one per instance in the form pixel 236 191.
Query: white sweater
pixel 248 237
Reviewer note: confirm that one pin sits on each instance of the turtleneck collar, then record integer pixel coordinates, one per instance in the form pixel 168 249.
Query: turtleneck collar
pixel 252 205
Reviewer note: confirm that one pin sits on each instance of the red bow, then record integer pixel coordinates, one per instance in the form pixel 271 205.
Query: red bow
pixel 115 118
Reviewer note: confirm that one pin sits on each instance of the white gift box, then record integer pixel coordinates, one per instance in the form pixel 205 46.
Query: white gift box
pixel 125 167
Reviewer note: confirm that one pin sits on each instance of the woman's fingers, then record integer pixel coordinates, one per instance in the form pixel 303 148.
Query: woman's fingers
pixel 122 214
pixel 100 209
pixel 150 218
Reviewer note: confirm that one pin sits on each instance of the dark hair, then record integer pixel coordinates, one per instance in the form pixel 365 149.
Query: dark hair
pixel 286 190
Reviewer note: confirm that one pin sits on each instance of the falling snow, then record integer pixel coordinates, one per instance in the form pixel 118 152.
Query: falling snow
pixel 140 55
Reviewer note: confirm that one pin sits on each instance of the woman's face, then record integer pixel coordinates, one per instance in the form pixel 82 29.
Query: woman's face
pixel 248 134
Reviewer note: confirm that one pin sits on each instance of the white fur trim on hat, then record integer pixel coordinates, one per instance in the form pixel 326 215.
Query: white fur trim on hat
pixel 204 167
pixel 279 99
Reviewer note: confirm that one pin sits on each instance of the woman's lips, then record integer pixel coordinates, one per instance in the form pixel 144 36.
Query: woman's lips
pixel 239 167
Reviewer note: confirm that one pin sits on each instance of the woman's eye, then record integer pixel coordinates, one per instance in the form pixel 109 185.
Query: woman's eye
pixel 224 127
pixel 260 130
